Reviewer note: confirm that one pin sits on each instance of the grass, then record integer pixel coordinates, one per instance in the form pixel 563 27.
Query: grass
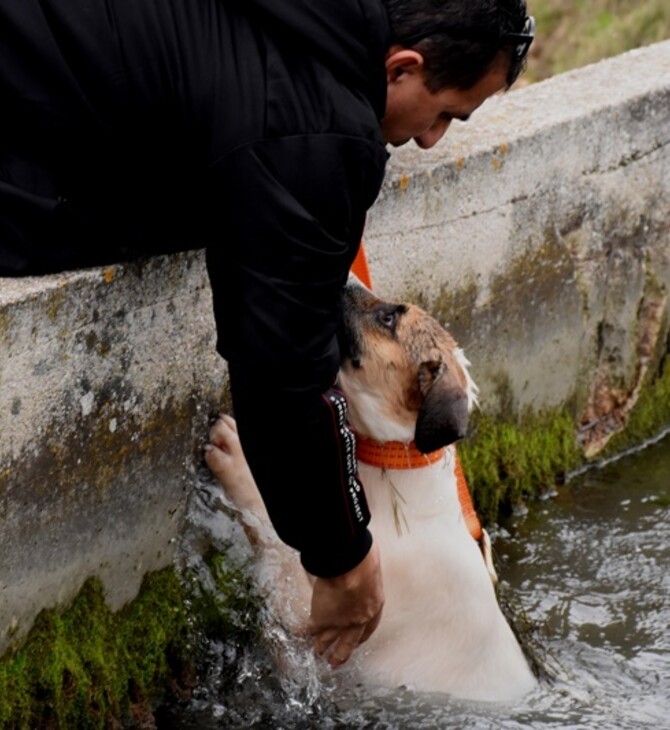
pixel 574 33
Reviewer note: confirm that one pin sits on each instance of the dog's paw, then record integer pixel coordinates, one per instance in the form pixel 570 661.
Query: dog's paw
pixel 226 461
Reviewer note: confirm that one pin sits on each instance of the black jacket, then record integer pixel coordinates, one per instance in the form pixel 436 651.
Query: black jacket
pixel 250 127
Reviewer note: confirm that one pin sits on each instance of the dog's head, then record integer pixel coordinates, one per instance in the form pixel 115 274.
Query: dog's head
pixel 403 374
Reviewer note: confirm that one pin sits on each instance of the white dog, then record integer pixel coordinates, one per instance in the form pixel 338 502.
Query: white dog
pixel 409 394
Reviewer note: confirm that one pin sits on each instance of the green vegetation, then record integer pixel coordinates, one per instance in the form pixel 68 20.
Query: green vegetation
pixel 573 33
pixel 507 463
pixel 88 667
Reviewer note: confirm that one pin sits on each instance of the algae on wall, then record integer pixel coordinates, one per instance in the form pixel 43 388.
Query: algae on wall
pixel 89 667
pixel 506 464
pixel 509 461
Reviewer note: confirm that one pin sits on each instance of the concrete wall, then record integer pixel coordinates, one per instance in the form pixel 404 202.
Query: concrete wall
pixel 539 233
pixel 107 378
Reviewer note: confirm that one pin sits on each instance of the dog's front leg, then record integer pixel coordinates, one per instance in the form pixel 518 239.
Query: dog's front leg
pixel 280 577
pixel 226 461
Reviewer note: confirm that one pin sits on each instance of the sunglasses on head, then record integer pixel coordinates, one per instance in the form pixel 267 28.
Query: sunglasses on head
pixel 520 42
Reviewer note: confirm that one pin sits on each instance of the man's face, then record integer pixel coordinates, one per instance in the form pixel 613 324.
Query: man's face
pixel 413 112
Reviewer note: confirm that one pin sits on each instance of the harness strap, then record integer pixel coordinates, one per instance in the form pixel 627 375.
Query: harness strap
pixel 467 507
pixel 360 267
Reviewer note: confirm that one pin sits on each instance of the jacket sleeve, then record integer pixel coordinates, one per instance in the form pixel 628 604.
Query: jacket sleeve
pixel 291 213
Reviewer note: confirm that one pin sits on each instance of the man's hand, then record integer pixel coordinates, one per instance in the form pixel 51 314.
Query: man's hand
pixel 346 609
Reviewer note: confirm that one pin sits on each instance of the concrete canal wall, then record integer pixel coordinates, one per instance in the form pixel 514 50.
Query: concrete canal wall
pixel 107 379
pixel 539 233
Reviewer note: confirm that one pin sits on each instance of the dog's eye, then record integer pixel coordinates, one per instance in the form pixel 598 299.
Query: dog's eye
pixel 388 318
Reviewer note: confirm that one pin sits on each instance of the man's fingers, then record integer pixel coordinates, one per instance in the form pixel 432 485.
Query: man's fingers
pixel 346 609
pixel 324 639
pixel 342 649
pixel 370 628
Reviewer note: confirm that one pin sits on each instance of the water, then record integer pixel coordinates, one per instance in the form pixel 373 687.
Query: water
pixel 586 576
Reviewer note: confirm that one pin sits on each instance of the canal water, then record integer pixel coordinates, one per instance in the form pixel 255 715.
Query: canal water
pixel 586 577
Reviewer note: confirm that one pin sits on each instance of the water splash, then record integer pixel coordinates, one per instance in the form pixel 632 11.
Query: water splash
pixel 588 568
pixel 259 666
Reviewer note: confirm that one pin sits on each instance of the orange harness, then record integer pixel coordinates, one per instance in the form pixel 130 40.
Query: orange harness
pixel 399 455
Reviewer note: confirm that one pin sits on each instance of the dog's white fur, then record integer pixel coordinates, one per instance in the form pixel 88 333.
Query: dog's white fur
pixel 441 629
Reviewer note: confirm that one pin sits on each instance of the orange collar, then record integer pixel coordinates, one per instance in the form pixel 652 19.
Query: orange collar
pixel 394 454
pixel 401 455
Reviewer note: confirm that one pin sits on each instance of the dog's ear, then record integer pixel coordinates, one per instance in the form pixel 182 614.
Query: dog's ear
pixel 443 415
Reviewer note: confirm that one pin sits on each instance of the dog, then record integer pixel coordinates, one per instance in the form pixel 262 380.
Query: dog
pixel 409 394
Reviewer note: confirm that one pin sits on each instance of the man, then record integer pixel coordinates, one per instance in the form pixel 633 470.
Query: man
pixel 256 129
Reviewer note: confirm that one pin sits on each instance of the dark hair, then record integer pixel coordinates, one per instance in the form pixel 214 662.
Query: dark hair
pixel 459 39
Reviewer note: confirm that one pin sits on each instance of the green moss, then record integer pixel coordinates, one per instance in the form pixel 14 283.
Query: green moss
pixel 507 462
pixel 85 666
pixel 89 667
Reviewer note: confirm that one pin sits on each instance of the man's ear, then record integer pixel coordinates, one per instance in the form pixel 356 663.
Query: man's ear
pixel 400 60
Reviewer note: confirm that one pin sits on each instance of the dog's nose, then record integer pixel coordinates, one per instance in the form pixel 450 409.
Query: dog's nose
pixel 442 420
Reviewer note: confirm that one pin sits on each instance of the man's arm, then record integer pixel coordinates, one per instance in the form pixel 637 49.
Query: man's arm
pixel 294 211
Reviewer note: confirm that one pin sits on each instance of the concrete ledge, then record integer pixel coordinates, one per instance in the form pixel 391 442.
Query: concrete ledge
pixel 539 234
pixel 107 379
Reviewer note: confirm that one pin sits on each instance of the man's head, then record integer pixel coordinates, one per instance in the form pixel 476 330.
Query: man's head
pixel 446 58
